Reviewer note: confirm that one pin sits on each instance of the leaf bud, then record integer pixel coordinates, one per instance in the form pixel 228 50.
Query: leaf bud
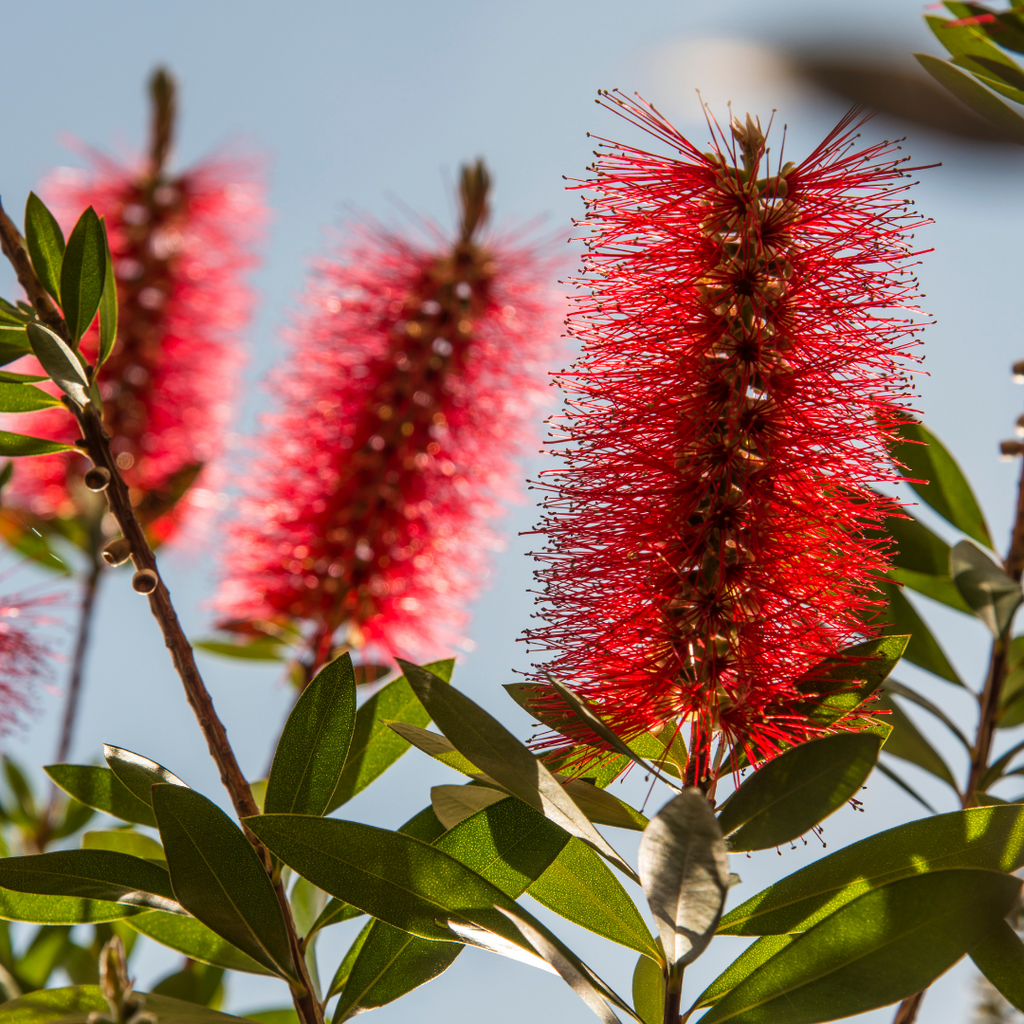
pixel 145 581
pixel 117 551
pixel 1011 449
pixel 97 478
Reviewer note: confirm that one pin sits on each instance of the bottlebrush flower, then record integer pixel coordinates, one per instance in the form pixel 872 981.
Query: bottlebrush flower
pixel 25 660
pixel 745 336
pixel 414 376
pixel 180 245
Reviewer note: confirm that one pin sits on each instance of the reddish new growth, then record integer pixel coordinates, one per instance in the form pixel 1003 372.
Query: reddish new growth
pixel 24 659
pixel 180 246
pixel 710 529
pixel 414 378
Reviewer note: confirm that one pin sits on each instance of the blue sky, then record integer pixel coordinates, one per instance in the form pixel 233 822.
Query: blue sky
pixel 354 105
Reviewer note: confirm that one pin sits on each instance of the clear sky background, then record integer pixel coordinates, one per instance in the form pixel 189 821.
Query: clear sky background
pixel 355 104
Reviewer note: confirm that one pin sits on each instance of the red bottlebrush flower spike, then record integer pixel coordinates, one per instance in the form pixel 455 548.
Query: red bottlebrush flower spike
pixel 712 532
pixel 25 660
pixel 414 378
pixel 180 246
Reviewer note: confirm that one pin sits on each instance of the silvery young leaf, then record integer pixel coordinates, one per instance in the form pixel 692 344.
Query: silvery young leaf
pixel 45 243
pixel 489 745
pixel 136 773
pixel 60 363
pixel 685 874
pixel 992 594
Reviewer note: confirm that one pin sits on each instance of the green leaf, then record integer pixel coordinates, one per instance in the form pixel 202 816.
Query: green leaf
pixel 334 913
pixel 453 804
pixel 947 491
pixel 979 99
pixel 756 954
pixel 344 971
pixel 100 789
pixel 882 947
pixel 266 648
pixel 74 1005
pixel 45 243
pixel 125 841
pixel 488 744
pixel 923 649
pixel 137 773
pixel 938 588
pixel 993 596
pixel 24 398
pixel 388 963
pixel 1000 957
pixel 685 874
pixel 436 746
pixel 971 49
pixel 108 303
pixel 394 877
pixel 580 887
pixel 195 940
pixel 12 445
pixel 311 753
pixel 907 743
pixel 796 790
pixel 648 991
pixel 374 746
pixel 28 907
pixel 219 878
pixel 62 365
pixel 82 274
pixel 91 875
pixel 989 838
pixel 194 983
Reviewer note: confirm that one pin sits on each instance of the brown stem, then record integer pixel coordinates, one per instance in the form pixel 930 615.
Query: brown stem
pixel 673 995
pixel 990 703
pixel 85 617
pixel 96 445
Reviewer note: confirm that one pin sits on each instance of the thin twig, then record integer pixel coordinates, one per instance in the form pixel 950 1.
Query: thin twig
pixel 90 586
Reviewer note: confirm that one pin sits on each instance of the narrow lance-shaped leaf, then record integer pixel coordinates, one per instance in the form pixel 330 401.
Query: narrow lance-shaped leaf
pixel 685 874
pixel 24 398
pixel 92 875
pixel 648 991
pixel 947 491
pixel 796 790
pixel 1000 957
pixel 62 365
pixel 374 746
pixel 82 274
pixel 137 773
pixel 991 593
pixel 13 445
pixel 45 243
pixel 108 303
pixel 61 910
pixel 990 838
pixel 882 947
pixel 218 877
pixel 311 753
pixel 488 744
pixel 99 788
pixel 923 649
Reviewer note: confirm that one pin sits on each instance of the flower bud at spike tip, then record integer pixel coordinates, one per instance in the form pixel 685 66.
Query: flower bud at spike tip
pixel 117 551
pixel 1018 372
pixel 712 527
pixel 145 581
pixel 1010 449
pixel 97 478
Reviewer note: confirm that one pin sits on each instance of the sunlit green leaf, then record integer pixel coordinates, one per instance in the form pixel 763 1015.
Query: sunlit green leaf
pixel 82 274
pixel 101 789
pixel 1000 957
pixel 45 243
